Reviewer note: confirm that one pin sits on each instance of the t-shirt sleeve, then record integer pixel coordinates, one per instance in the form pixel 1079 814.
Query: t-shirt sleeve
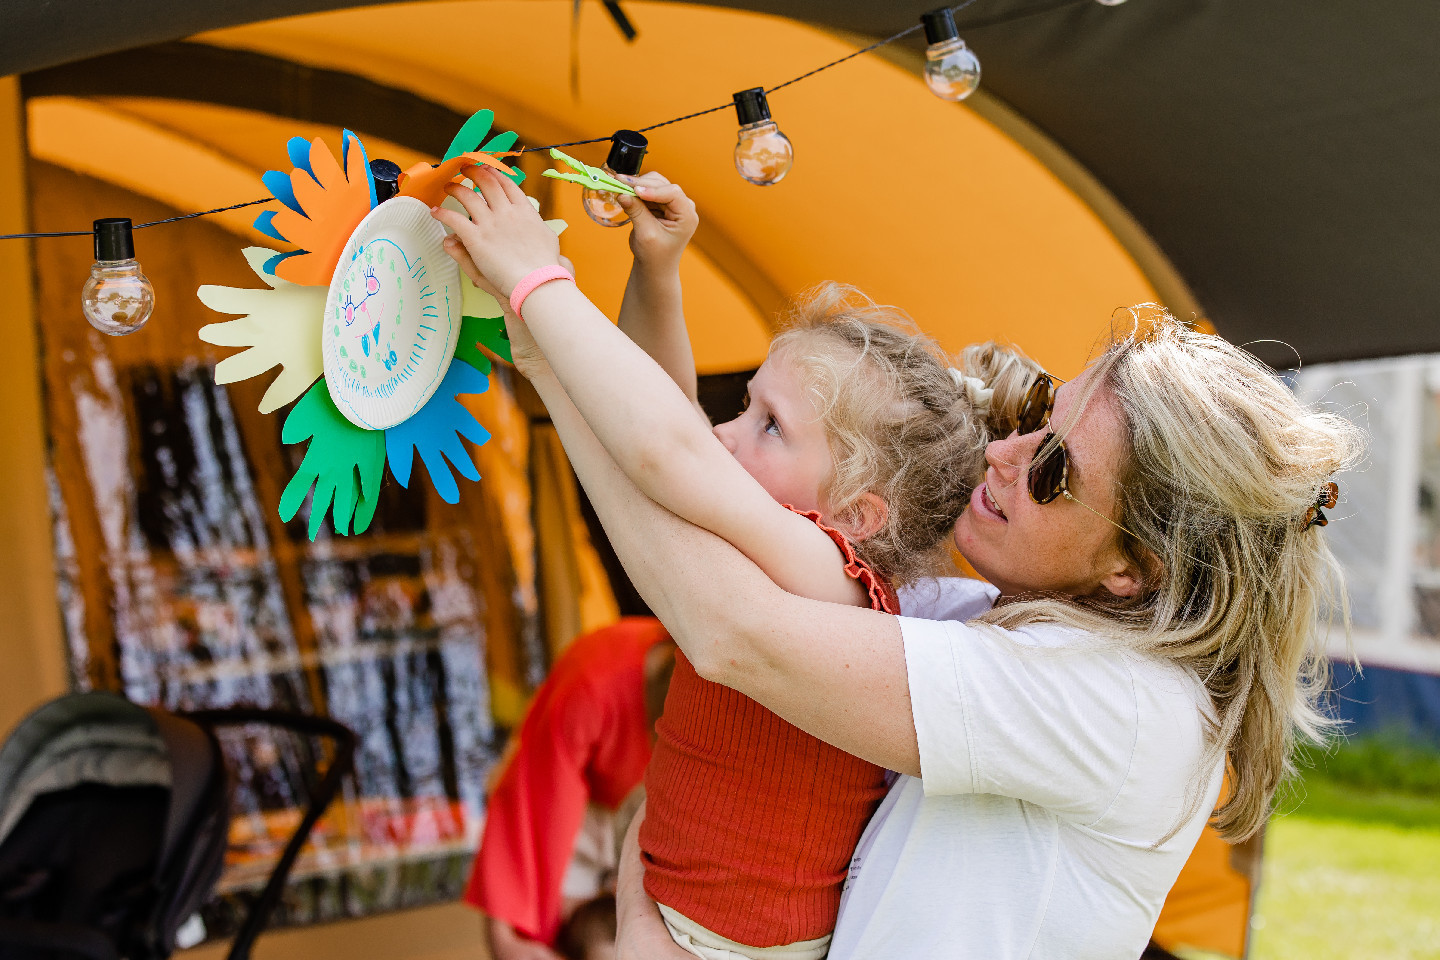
pixel 946 598
pixel 1019 714
pixel 535 813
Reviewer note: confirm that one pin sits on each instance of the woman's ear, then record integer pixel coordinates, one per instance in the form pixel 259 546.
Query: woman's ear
pixel 866 516
pixel 1128 578
pixel 1125 583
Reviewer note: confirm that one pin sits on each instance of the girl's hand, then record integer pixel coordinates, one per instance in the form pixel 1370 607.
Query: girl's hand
pixel 504 235
pixel 662 220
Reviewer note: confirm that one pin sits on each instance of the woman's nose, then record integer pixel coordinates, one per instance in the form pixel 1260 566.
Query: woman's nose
pixel 1007 456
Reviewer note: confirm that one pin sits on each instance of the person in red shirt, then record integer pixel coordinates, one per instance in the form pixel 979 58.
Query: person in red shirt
pixel 582 748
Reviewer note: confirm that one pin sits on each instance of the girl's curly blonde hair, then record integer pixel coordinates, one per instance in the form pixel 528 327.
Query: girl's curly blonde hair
pixel 902 423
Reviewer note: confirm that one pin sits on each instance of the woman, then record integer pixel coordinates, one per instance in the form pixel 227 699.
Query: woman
pixel 1156 549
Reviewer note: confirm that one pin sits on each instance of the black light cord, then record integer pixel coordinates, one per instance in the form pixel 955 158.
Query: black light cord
pixel 138 226
pixel 580 143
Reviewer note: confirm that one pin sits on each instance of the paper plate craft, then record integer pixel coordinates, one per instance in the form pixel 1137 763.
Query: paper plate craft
pixel 375 329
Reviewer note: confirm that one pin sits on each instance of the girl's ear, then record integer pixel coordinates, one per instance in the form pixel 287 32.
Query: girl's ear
pixel 866 516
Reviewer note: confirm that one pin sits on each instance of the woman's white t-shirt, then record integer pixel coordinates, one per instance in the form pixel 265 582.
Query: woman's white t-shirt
pixel 1051 769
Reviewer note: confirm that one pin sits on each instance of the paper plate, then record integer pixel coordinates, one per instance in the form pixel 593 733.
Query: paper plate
pixel 392 318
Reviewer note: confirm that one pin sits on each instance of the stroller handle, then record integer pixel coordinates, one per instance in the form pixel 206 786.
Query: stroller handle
pixel 329 787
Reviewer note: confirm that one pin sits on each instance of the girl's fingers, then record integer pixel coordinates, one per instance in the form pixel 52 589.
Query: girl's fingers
pixel 512 189
pixel 455 221
pixel 635 207
pixel 650 179
pixel 663 193
pixel 469 199
pixel 488 183
pixel 461 256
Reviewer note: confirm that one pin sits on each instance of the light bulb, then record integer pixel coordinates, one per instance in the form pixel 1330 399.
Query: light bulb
pixel 763 155
pixel 1109 3
pixel 386 176
pixel 627 152
pixel 952 71
pixel 117 298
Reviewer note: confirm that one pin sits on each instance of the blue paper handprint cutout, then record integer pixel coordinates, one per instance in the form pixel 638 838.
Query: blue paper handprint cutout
pixel 435 432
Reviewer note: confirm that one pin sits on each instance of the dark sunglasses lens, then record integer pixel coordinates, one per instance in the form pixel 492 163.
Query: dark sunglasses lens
pixel 1036 406
pixel 1047 470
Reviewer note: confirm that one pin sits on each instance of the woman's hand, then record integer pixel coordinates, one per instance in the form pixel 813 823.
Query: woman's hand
pixel 507 944
pixel 662 221
pixel 641 933
pixel 504 235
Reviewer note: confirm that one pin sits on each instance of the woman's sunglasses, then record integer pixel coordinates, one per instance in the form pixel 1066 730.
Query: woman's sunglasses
pixel 1036 405
pixel 1048 476
pixel 1050 467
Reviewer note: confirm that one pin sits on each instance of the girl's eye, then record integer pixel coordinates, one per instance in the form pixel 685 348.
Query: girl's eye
pixel 772 426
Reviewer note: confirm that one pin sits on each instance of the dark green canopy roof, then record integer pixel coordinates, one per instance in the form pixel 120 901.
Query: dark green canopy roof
pixel 1282 153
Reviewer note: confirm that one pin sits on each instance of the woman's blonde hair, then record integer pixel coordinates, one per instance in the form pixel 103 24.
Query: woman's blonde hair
pixel 901 422
pixel 1223 464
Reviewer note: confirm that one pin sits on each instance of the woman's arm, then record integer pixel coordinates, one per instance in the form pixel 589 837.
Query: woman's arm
pixel 641 416
pixel 836 672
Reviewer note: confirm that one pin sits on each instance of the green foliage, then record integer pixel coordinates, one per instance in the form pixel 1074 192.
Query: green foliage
pixel 1346 890
pixel 1350 857
pixel 1387 761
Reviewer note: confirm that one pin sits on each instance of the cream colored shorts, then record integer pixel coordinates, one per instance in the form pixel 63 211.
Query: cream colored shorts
pixel 711 946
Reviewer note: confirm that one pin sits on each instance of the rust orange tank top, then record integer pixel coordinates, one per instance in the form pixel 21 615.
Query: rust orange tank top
pixel 750 822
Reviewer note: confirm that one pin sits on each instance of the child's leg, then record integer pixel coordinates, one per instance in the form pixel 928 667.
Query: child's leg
pixel 708 945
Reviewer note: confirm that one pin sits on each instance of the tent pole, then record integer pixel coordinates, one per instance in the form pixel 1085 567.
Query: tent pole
pixel 31 644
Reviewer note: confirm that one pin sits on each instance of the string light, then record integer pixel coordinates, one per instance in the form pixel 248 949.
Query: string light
pixel 117 298
pixel 627 152
pixel 763 154
pixel 386 174
pixel 757 147
pixel 952 71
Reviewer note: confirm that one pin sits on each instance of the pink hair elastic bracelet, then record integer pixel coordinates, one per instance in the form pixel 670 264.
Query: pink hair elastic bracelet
pixel 533 279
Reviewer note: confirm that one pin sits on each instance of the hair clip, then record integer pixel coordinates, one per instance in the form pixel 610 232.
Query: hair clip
pixel 1327 498
pixel 974 389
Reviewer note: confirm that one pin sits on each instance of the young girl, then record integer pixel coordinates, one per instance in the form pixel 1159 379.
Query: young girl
pixel 858 449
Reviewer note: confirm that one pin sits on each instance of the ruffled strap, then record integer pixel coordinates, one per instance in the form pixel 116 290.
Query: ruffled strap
pixel 882 597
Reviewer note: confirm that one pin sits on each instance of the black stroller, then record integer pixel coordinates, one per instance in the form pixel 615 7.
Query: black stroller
pixel 113 825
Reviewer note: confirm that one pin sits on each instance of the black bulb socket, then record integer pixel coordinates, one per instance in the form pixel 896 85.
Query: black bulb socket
pixel 751 106
pixel 627 152
pixel 939 25
pixel 114 239
pixel 387 178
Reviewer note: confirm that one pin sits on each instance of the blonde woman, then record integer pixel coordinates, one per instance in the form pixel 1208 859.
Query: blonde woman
pixel 1161 572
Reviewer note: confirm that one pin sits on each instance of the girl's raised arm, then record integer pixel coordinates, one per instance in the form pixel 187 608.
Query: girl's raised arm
pixel 642 418
pixel 836 672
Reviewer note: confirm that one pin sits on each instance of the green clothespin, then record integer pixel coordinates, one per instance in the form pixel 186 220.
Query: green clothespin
pixel 588 176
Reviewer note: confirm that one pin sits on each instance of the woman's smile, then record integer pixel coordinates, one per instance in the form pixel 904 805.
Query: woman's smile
pixel 985 505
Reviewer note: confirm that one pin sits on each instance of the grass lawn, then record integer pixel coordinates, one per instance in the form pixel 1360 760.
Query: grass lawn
pixel 1352 865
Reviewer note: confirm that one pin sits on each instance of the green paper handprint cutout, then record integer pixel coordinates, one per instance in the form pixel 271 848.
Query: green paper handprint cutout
pixel 338 450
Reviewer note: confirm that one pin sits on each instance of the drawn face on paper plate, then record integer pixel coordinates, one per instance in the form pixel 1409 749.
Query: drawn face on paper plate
pixel 392 316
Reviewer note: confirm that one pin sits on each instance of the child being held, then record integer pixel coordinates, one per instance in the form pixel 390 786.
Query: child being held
pixel 843 478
